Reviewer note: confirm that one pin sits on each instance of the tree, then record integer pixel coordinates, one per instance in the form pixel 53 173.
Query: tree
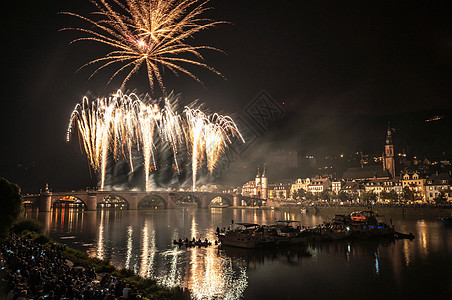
pixel 441 198
pixel 310 196
pixel 11 205
pixel 354 196
pixel 343 196
pixel 300 194
pixel 368 197
pixel 325 195
pixel 407 194
pixel 384 195
pixel 393 196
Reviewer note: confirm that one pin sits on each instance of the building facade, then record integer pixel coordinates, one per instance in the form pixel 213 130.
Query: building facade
pixel 257 188
pixel 299 184
pixel 437 183
pixel 280 190
pixel 336 186
pixel 416 184
pixel 319 185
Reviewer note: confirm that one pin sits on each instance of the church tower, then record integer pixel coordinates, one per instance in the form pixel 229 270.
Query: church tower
pixel 388 157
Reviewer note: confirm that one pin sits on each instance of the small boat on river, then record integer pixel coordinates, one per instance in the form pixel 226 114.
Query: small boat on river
pixel 447 221
pixel 246 235
pixel 363 225
pixel 287 232
pixel 192 243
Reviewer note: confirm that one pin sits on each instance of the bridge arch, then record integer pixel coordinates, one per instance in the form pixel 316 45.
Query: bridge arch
pixel 152 201
pixel 113 201
pixel 187 199
pixel 68 201
pixel 219 200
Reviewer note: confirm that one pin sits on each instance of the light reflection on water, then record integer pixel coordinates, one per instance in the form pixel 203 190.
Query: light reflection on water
pixel 142 241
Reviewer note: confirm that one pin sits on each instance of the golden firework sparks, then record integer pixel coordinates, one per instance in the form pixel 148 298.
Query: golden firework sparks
pixel 150 33
pixel 121 123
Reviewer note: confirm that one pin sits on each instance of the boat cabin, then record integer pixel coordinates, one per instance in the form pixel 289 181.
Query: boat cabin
pixel 365 216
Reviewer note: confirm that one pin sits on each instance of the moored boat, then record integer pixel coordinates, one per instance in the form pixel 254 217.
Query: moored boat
pixel 364 224
pixel 447 221
pixel 244 235
pixel 287 232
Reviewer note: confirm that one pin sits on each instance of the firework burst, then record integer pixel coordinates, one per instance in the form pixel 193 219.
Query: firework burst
pixel 147 33
pixel 118 125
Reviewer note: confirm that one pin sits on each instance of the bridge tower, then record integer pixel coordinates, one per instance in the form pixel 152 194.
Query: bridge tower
pixel 258 185
pixel 264 181
pixel 45 199
pixel 171 201
pixel 91 203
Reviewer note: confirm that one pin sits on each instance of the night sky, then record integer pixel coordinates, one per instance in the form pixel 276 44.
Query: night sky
pixel 340 70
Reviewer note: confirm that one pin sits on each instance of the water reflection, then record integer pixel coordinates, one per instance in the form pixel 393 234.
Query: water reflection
pixel 422 236
pixel 100 236
pixel 129 246
pixel 142 241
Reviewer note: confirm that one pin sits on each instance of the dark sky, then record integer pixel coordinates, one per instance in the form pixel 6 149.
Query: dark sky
pixel 328 61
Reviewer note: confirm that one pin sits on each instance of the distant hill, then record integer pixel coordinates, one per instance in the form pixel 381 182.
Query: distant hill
pixel 423 133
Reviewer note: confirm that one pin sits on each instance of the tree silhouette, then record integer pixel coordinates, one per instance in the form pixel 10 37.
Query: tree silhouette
pixel 11 205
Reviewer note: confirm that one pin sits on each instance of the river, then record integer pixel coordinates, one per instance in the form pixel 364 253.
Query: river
pixel 375 269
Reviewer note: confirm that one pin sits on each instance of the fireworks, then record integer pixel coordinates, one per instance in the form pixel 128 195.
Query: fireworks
pixel 150 33
pixel 122 123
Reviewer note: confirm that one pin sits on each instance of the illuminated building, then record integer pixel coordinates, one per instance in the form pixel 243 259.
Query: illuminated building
pixel 319 185
pixel 300 184
pixel 248 189
pixel 352 188
pixel 336 186
pixel 415 183
pixel 436 183
pixel 279 190
pixel 258 187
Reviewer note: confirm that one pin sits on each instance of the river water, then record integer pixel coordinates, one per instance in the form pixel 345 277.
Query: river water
pixel 375 269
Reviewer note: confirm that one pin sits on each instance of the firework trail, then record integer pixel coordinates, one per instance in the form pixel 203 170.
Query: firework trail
pixel 122 123
pixel 196 121
pixel 150 33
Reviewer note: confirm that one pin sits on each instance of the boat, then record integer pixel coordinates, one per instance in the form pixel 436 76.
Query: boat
pixel 287 232
pixel 284 228
pixel 330 232
pixel 399 235
pixel 245 235
pixel 364 216
pixel 191 243
pixel 447 221
pixel 364 224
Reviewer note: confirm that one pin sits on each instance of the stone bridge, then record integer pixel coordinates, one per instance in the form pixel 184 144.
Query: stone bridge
pixel 90 199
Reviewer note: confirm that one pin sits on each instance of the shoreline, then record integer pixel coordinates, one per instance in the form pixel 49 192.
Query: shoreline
pixel 77 261
pixel 430 212
pixel 331 210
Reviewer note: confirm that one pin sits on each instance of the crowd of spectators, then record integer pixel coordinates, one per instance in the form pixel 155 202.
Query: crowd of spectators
pixel 32 271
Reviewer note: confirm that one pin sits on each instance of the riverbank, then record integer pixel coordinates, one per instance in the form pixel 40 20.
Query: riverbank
pixel 428 212
pixel 331 210
pixel 37 267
